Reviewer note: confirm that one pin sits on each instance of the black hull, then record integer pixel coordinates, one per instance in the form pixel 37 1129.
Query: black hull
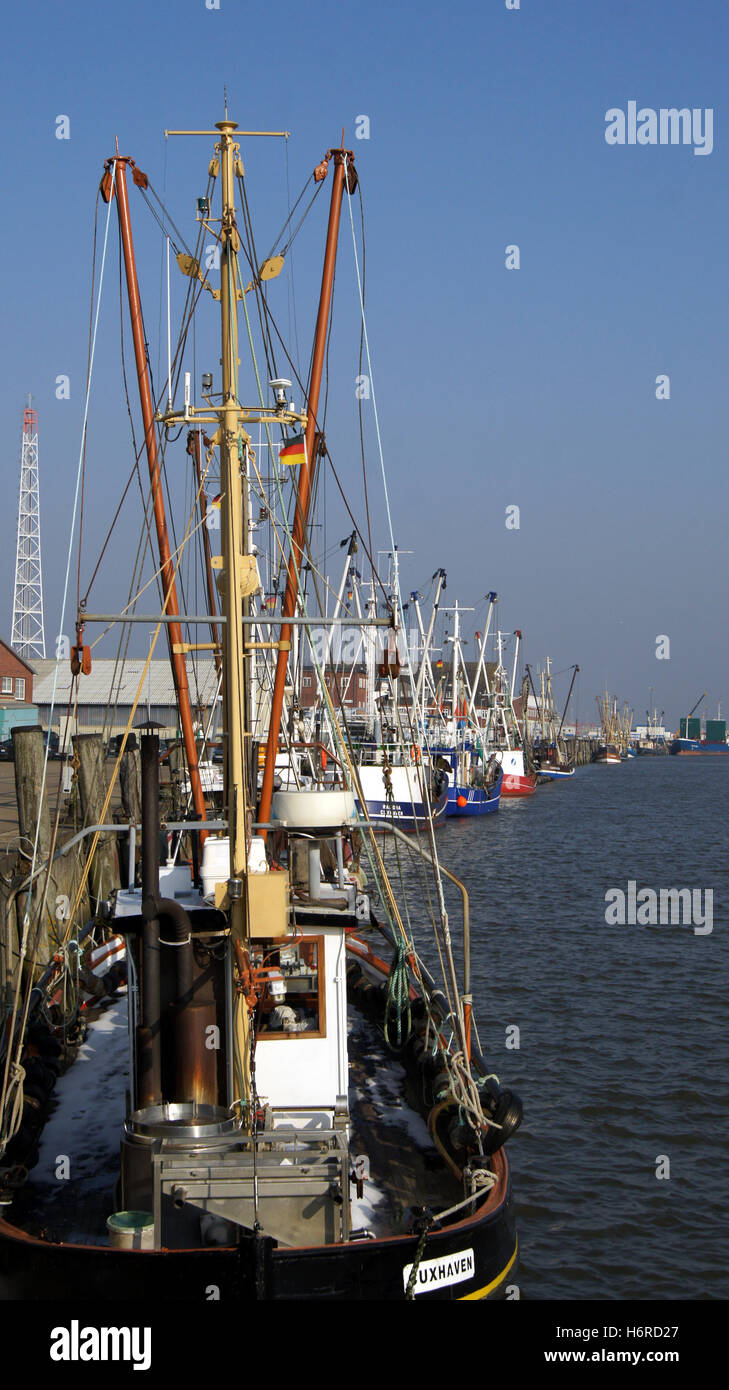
pixel 369 1270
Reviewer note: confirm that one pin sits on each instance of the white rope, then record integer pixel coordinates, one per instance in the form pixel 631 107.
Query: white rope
pixel 401 612
pixel 15 1089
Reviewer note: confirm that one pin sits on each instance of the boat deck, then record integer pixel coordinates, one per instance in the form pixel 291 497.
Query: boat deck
pixel 71 1190
pixel 404 1165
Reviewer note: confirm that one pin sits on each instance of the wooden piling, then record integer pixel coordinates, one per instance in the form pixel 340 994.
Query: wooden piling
pixel 130 784
pixel 104 872
pixel 33 817
pixel 8 929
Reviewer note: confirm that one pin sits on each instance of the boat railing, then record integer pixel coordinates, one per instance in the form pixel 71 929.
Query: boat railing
pixel 371 754
pixel 324 756
pixel 123 828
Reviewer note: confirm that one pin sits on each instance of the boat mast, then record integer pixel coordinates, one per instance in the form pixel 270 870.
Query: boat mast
pixel 482 650
pixel 427 639
pixel 566 703
pixel 550 702
pixel 343 163
pixel 239 577
pixel 174 630
pixel 517 635
pixel 499 681
pixel 370 634
pixel 454 668
pixel 236 586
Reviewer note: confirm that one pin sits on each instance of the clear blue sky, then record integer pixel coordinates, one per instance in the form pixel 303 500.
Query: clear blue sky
pixel 533 388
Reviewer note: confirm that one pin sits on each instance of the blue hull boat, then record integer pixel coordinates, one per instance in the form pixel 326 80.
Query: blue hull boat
pixel 474 801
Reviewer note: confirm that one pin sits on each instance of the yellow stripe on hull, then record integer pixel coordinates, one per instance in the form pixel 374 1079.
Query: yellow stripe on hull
pixel 489 1288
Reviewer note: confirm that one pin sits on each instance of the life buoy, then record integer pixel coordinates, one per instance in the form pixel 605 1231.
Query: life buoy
pixel 415 753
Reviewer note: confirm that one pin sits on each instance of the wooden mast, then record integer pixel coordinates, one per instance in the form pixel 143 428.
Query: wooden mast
pixel 343 160
pixel 174 630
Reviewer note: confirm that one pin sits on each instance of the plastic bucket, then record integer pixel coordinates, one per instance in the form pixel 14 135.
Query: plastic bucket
pixel 131 1230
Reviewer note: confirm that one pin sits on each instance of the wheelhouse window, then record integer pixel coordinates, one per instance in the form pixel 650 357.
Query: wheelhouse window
pixel 293 1000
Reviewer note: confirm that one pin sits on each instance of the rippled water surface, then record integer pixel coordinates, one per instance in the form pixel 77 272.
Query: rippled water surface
pixel 622 1062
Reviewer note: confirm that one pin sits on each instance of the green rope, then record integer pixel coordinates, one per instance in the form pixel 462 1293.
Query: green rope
pixel 410 1290
pixel 397 999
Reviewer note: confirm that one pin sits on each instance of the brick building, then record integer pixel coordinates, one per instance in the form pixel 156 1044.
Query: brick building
pixel 16 691
pixel 352 686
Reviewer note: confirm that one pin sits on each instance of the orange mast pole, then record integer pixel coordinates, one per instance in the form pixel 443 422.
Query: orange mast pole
pixel 306 471
pixel 174 630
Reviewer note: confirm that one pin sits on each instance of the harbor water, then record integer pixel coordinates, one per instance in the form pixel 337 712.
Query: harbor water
pixel 619 1168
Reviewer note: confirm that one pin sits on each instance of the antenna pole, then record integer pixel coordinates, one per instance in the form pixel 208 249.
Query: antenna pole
pixel 28 637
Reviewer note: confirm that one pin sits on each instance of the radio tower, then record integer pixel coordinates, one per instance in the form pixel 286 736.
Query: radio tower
pixel 28 638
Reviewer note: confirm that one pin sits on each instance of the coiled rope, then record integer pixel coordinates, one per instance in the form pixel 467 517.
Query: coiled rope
pixel 397 999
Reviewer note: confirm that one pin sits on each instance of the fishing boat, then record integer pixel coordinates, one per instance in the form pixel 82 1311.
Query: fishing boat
pixel 453 733
pixel 625 734
pixel 503 736
pixel 475 785
pixel 608 750
pixel 399 781
pixel 650 747
pixel 281 1102
pixel 651 740
pixel 550 754
pixel 400 785
pixel 607 753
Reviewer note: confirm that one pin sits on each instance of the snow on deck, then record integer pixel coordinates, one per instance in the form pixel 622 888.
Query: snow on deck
pixel 79 1148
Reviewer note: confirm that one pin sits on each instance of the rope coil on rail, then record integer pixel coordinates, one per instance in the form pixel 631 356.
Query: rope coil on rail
pixel 397 999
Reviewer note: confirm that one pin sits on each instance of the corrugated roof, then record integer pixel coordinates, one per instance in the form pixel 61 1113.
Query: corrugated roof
pixel 102 688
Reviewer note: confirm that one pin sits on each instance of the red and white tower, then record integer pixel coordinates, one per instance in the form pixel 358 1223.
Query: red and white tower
pixel 28 637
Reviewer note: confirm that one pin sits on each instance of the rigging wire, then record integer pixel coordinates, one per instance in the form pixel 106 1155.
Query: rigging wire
pixel 17 1079
pixel 292 283
pixel 88 362
pixel 360 412
pixel 433 849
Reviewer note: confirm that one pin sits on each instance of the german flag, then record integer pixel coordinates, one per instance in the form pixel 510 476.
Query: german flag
pixel 294 452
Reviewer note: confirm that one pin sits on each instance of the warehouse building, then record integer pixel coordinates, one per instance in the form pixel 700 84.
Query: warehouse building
pixel 106 697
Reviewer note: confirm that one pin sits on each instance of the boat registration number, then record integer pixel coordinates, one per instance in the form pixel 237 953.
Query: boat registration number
pixel 435 1274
